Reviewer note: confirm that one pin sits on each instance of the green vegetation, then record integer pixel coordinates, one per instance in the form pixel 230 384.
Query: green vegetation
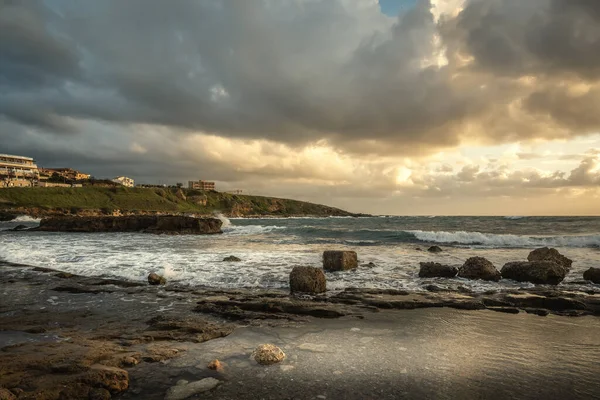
pixel 175 200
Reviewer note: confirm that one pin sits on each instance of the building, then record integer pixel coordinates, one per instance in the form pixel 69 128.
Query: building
pixel 17 171
pixel 201 185
pixel 66 173
pixel 235 191
pixel 125 181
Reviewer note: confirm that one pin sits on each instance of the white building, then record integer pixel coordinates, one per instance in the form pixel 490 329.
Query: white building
pixel 17 171
pixel 125 181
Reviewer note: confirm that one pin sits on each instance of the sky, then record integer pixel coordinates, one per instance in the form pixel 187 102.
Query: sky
pixel 403 107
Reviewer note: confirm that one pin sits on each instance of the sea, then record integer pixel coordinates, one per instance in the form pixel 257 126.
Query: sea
pixel 389 249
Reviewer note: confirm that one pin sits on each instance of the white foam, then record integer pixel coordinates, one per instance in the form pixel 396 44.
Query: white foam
pixel 251 229
pixel 26 218
pixel 514 217
pixel 492 240
pixel 226 222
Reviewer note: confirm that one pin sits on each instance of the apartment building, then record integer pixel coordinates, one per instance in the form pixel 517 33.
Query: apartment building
pixel 17 171
pixel 66 173
pixel 125 181
pixel 201 185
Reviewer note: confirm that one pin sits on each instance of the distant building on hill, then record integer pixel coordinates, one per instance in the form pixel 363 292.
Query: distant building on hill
pixel 201 185
pixel 18 171
pixel 235 191
pixel 125 181
pixel 65 173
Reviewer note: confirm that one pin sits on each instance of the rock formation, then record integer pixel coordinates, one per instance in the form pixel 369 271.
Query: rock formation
pixel 232 259
pixel 307 280
pixel 268 354
pixel 541 272
pixel 334 260
pixel 133 223
pixel 435 249
pixel 434 270
pixel 592 274
pixel 479 268
pixel 155 279
pixel 546 254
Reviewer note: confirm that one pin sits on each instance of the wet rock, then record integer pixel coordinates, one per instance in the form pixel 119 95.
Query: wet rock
pixel 232 259
pixel 507 310
pixel 435 249
pixel 547 254
pixel 133 223
pixel 537 311
pixel 189 329
pixel 6 394
pixel 64 275
pixel 540 272
pixel 19 228
pixel 592 274
pixel 215 365
pixel 129 361
pixel 72 391
pixel 369 265
pixel 268 354
pixel 113 379
pixel 307 280
pixel 184 390
pixel 334 260
pixel 478 268
pixel 433 270
pixel 547 303
pixel 99 394
pixel 155 279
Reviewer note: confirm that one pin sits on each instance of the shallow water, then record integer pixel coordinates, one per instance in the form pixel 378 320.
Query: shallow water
pixel 269 248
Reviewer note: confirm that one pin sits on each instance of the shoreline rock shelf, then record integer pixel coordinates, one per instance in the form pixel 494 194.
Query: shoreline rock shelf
pixel 169 224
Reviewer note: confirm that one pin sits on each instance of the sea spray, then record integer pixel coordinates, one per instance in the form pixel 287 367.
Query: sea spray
pixel 226 222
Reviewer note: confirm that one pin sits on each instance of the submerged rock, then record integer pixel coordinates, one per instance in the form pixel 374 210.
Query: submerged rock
pixel 547 254
pixel 435 270
pixel 19 228
pixel 592 274
pixel 337 260
pixel 435 249
pixel 541 272
pixel 155 279
pixel 268 354
pixel 479 268
pixel 185 389
pixel 232 259
pixel 133 223
pixel 307 280
pixel 215 365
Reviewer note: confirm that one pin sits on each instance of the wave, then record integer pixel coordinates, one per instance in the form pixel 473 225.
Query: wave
pixel 26 218
pixel 250 229
pixel 514 217
pixel 493 240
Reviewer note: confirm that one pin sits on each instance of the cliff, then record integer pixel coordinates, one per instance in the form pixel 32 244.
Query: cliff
pixel 94 201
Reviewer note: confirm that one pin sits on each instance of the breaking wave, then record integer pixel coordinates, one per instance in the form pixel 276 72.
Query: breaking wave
pixel 26 218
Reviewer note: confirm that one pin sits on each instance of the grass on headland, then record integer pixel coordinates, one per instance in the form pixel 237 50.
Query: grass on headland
pixel 173 200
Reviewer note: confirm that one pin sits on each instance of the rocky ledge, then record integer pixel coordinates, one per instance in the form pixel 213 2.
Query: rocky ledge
pixel 170 224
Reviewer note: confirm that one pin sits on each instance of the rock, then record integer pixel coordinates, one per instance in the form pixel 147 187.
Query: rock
pixel 4 216
pixel 592 274
pixel 433 270
pixel 268 354
pixel 19 228
pixel 155 279
pixel 334 260
pixel 129 361
pixel 6 394
pixel 132 223
pixel 435 249
pixel 215 365
pixel 307 280
pixel 232 259
pixel 546 254
pixel 541 272
pixel 185 390
pixel 479 268
pixel 113 379
pixel 99 394
pixel 369 265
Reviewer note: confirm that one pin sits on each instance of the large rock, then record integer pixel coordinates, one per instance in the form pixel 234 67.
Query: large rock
pixel 542 272
pixel 592 274
pixel 546 254
pixel 307 280
pixel 113 379
pixel 479 268
pixel 435 270
pixel 435 249
pixel 335 260
pixel 133 223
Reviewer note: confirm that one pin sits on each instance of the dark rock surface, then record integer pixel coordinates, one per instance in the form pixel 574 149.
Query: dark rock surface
pixel 232 259
pixel 592 274
pixel 434 270
pixel 540 272
pixel 139 223
pixel 548 254
pixel 19 228
pixel 307 280
pixel 479 268
pixel 155 279
pixel 6 216
pixel 334 260
pixel 435 249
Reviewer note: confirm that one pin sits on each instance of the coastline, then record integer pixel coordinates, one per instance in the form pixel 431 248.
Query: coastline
pixel 160 335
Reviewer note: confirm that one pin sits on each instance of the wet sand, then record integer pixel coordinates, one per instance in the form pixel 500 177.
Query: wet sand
pixel 57 330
